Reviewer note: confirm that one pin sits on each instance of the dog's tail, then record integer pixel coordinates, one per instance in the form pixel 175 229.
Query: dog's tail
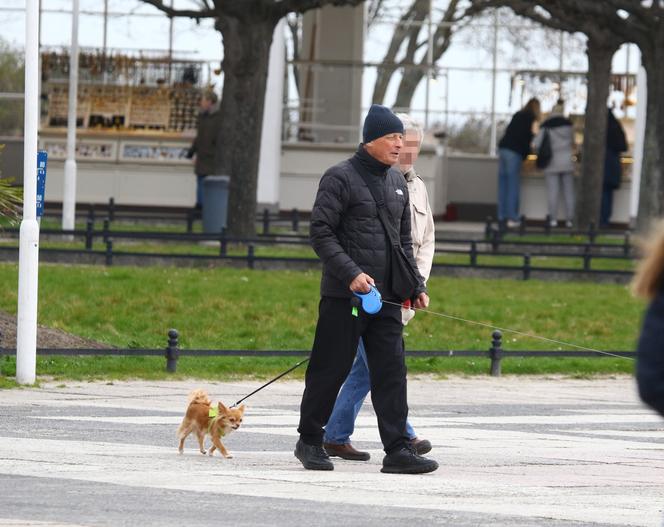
pixel 199 396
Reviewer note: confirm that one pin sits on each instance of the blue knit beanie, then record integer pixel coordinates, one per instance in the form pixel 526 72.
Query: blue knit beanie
pixel 380 121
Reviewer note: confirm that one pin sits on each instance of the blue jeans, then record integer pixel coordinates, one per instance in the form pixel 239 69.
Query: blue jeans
pixel 509 183
pixel 341 423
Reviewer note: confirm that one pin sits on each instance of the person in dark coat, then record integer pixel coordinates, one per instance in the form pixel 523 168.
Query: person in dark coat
pixel 615 144
pixel 350 239
pixel 513 148
pixel 649 283
pixel 204 147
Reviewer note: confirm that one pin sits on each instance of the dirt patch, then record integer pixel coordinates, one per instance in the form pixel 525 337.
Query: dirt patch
pixel 46 337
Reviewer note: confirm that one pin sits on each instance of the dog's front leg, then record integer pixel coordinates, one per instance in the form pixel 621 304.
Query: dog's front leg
pixel 217 443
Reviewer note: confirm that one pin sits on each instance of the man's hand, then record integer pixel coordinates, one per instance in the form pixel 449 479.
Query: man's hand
pixel 361 283
pixel 422 301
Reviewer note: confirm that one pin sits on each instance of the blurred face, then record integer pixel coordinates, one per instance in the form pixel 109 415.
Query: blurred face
pixel 206 104
pixel 386 149
pixel 410 150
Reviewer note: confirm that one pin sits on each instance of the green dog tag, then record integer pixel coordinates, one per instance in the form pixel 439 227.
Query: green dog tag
pixel 354 311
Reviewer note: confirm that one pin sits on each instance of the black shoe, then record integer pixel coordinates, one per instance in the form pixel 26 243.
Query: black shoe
pixel 312 457
pixel 406 461
pixel 421 446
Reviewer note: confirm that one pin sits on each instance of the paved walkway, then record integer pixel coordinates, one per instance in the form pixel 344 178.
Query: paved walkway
pixel 513 451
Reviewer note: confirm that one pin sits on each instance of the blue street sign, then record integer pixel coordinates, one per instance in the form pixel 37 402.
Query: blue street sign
pixel 42 158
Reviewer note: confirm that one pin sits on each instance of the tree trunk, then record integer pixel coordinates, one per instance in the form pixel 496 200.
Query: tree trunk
pixel 409 83
pixel 246 56
pixel 651 191
pixel 408 29
pixel 441 40
pixel 600 54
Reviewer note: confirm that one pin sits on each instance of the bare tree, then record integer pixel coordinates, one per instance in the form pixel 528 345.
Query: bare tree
pixel 608 25
pixel 246 28
pixel 601 46
pixel 408 29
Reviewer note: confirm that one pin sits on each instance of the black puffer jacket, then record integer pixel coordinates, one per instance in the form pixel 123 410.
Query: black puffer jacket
pixel 346 232
pixel 650 355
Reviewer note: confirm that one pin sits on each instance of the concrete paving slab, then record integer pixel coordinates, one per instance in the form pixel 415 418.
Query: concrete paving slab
pixel 514 451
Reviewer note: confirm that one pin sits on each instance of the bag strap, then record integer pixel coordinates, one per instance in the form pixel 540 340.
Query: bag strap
pixel 389 227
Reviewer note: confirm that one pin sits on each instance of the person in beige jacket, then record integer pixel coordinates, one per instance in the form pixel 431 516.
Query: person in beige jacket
pixel 341 423
pixel 421 217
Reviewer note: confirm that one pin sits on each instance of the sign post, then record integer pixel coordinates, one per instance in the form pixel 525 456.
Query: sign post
pixel 42 159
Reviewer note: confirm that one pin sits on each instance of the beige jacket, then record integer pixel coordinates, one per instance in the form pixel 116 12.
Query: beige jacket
pixel 423 230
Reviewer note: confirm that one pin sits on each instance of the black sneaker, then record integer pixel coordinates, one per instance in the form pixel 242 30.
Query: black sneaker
pixel 312 457
pixel 407 461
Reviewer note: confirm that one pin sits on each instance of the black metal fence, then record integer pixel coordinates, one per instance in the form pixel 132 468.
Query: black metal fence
pixel 172 353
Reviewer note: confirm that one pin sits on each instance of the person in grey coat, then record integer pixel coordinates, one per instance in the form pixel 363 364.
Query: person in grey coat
pixel 559 172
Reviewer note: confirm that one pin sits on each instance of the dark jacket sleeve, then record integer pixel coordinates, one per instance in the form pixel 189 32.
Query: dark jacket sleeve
pixel 331 202
pixel 650 356
pixel 407 242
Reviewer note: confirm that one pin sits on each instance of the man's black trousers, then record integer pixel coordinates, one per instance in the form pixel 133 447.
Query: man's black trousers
pixel 337 336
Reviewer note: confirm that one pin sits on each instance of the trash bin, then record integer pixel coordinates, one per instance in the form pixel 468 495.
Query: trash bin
pixel 215 203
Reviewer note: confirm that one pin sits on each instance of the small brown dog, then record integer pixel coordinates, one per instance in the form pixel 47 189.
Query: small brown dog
pixel 203 418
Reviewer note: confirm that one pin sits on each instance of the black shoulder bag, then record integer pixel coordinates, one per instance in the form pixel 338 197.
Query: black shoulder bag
pixel 544 152
pixel 403 279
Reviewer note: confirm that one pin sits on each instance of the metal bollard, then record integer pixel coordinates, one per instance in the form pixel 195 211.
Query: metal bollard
pixel 266 221
pixel 109 252
pixel 223 243
pixel 105 230
pixel 488 227
pixel 526 266
pixel 547 224
pixel 296 220
pixel 627 245
pixel 522 225
pixel 473 253
pixel 89 227
pixel 586 257
pixel 91 213
pixel 495 240
pixel 111 209
pixel 172 351
pixel 591 232
pixel 496 353
pixel 190 221
pixel 250 256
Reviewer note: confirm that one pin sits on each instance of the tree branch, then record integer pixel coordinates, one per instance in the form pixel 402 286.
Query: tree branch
pixel 281 9
pixel 187 13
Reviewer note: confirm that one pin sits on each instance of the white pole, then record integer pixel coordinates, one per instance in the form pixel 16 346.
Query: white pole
pixel 639 141
pixel 69 191
pixel 28 259
pixel 492 143
pixel 429 64
pixel 269 161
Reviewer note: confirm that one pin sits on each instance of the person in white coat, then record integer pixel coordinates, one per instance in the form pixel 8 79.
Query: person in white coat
pixel 341 423
pixel 559 172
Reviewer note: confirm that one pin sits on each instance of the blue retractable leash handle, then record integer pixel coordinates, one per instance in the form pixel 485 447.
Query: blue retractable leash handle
pixel 371 302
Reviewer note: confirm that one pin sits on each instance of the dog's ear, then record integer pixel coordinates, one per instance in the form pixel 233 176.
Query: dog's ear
pixel 241 408
pixel 222 408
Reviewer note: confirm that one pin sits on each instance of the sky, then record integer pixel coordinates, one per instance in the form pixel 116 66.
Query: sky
pixel 134 26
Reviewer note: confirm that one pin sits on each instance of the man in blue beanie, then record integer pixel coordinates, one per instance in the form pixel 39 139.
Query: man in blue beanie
pixel 353 245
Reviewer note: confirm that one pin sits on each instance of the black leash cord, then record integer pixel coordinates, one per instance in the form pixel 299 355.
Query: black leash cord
pixel 270 382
